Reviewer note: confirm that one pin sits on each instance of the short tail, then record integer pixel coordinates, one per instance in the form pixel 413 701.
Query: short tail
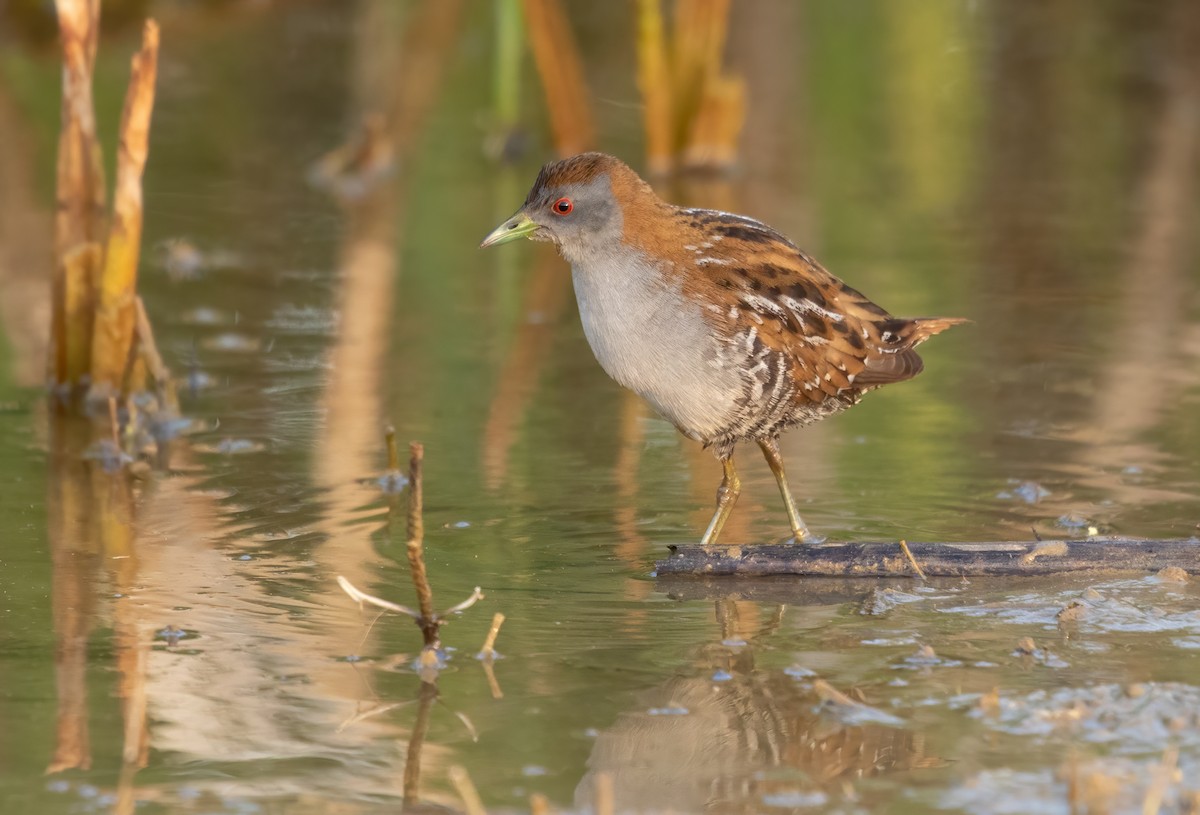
pixel 925 327
pixel 895 360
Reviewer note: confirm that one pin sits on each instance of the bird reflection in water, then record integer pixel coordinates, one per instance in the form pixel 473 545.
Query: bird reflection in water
pixel 729 735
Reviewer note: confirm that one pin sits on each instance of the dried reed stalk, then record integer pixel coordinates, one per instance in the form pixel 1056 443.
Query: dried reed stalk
pixel 693 110
pixel 428 621
pixel 561 71
pixel 78 269
pixel 488 651
pixel 506 78
pixel 713 140
pixel 654 82
pixel 79 190
pixel 116 311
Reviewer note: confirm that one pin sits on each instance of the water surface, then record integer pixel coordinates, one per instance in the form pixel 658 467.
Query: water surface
pixel 1031 169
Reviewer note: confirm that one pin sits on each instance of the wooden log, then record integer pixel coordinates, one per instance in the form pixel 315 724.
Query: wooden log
pixel 935 559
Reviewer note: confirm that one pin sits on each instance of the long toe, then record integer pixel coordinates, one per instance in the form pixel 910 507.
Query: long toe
pixel 806 535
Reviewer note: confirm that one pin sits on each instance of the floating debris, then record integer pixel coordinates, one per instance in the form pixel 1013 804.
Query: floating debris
pixel 232 447
pixel 233 343
pixel 182 259
pixel 926 657
pixel 1172 574
pixel 1028 649
pixel 1072 612
pixel 1030 492
pixel 1139 718
pixel 881 601
pixel 1077 523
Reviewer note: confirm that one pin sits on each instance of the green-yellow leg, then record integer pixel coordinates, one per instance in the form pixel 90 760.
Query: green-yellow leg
pixel 727 495
pixel 770 449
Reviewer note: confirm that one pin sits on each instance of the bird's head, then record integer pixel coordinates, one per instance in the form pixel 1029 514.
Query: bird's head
pixel 577 203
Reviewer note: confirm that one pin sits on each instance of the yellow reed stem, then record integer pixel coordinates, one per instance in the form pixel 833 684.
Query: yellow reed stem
pixel 79 190
pixel 79 268
pixel 116 312
pixel 561 70
pixel 654 82
pixel 713 140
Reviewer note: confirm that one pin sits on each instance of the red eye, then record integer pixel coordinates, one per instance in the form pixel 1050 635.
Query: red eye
pixel 562 206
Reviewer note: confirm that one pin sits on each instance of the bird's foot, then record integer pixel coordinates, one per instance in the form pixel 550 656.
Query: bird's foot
pixel 806 536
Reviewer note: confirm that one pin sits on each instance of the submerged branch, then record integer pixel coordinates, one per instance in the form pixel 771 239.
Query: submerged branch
pixel 937 559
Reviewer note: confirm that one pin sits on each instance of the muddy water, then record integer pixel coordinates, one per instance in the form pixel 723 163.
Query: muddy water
pixel 180 645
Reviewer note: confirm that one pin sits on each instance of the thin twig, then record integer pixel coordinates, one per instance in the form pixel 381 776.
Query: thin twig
pixel 361 597
pixel 488 651
pixel 416 518
pixel 393 452
pixel 149 348
pixel 475 597
pixel 908 554
pixel 416 547
pixel 466 790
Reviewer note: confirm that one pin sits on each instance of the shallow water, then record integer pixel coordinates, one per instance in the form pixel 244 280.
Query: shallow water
pixel 1033 170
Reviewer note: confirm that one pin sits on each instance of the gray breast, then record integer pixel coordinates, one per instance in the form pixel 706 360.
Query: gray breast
pixel 652 340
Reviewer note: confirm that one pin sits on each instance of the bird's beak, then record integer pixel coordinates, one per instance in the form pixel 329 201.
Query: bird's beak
pixel 518 226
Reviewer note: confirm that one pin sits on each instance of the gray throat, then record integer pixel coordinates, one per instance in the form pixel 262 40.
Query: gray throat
pixel 651 339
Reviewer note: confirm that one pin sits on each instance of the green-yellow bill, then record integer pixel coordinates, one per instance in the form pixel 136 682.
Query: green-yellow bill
pixel 518 226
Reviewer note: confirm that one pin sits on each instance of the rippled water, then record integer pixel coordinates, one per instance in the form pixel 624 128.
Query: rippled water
pixel 1032 169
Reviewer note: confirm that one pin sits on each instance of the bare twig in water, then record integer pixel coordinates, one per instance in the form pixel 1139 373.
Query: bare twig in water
pixel 416 509
pixel 466 791
pixel 149 348
pixel 475 597
pixel 488 651
pixel 426 618
pixel 605 797
pixel 908 554
pixel 361 597
pixel 393 451
pixel 416 547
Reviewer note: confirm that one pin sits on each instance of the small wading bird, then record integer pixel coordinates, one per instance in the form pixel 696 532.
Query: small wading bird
pixel 723 325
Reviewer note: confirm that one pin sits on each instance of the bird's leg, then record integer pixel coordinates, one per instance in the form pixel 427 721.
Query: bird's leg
pixel 770 449
pixel 727 495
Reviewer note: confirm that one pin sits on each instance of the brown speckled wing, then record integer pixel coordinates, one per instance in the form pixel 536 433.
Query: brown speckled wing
pixel 811 344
